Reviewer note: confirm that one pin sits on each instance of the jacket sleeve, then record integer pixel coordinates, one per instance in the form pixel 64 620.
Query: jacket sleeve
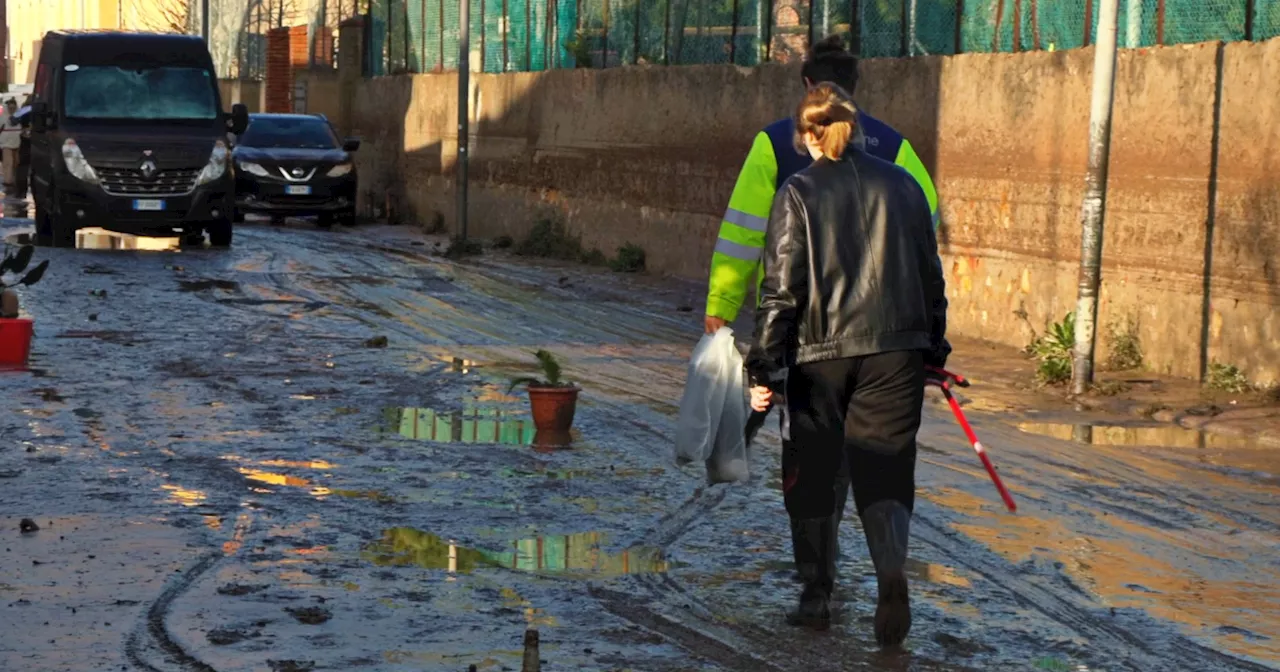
pixel 935 286
pixel 784 290
pixel 737 254
pixel 910 161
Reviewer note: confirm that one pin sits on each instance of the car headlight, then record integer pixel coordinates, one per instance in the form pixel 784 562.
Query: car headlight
pixel 341 169
pixel 253 168
pixel 217 166
pixel 76 163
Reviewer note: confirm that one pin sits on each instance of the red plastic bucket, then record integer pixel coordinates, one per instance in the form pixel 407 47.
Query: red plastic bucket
pixel 15 341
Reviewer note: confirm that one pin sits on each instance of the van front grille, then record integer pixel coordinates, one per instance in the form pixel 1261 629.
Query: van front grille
pixel 130 182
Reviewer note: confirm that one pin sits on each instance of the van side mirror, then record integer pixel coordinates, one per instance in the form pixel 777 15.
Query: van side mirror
pixel 350 144
pixel 39 117
pixel 239 119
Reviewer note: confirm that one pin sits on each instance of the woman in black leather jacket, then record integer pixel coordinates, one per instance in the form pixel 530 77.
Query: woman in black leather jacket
pixel 852 309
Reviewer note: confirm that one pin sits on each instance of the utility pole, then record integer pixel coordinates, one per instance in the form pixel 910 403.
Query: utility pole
pixel 1095 197
pixel 204 20
pixel 464 103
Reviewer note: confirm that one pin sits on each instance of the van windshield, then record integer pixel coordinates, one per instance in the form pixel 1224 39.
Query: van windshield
pixel 113 92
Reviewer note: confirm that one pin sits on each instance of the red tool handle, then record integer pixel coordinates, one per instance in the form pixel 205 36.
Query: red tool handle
pixel 944 379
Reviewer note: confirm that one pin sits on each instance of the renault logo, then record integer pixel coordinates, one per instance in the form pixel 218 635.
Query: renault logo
pixel 148 169
pixel 297 172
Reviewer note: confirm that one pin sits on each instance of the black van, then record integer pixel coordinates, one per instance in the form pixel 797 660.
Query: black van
pixel 128 134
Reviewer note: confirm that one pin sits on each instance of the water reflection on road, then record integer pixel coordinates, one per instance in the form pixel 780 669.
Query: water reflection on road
pixel 569 554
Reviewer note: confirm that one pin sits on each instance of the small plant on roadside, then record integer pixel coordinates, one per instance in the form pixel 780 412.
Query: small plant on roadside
pixel 1226 378
pixel 435 223
pixel 551 374
pixel 14 265
pixel 1052 351
pixel 459 248
pixel 580 49
pixel 1126 349
pixel 630 259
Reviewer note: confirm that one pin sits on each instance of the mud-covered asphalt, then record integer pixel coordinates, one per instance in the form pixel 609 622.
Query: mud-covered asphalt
pixel 228 474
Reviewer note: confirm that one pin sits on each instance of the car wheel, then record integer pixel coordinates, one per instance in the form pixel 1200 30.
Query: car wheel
pixel 220 233
pixel 347 218
pixel 44 234
pixel 62 231
pixel 325 221
pixel 277 220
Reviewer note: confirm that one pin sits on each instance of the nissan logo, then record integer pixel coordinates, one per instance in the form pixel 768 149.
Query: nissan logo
pixel 297 172
pixel 148 169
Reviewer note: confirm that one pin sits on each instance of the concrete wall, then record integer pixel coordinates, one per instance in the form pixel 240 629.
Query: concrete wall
pixel 649 156
pixel 247 91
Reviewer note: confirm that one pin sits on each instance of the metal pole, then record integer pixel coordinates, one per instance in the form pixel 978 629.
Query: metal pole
pixel 464 116
pixel 1095 198
pixel 204 20
pixel 635 56
pixel 959 36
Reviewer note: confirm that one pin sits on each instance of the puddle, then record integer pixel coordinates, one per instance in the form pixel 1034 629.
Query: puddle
pixel 1160 435
pixel 571 554
pixel 474 425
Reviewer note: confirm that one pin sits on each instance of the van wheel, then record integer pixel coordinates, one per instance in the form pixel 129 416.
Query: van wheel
pixel 220 233
pixel 237 216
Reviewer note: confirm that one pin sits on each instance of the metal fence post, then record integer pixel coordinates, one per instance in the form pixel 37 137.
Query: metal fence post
pixel 959 37
pixel 464 116
pixel 904 39
pixel 386 40
pixel 855 27
pixel 1017 26
pixel 1160 22
pixel 733 36
pixel 604 44
pixel 1250 11
pixel 666 34
pixel 810 26
pixel 506 30
pixel 635 58
pixel 528 35
pixel 1088 21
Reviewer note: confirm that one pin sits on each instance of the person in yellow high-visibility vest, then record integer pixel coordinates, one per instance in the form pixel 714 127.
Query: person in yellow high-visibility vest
pixel 772 159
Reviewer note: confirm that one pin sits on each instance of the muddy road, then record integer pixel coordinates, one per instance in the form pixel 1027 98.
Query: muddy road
pixel 230 474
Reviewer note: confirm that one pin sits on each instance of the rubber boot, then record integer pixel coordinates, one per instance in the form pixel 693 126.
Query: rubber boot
pixel 816 560
pixel 804 571
pixel 887 524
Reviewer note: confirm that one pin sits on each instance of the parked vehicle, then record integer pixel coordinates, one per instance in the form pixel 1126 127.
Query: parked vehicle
pixel 294 165
pixel 128 134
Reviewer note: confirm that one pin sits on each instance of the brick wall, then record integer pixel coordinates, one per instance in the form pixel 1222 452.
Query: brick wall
pixel 286 51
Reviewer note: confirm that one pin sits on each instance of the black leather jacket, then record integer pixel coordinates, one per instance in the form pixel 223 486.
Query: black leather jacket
pixel 851 268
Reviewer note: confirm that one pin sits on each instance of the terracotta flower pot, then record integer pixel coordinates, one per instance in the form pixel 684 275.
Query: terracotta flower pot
pixel 15 342
pixel 553 407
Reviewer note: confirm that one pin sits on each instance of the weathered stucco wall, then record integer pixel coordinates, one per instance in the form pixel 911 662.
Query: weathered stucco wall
pixel 649 156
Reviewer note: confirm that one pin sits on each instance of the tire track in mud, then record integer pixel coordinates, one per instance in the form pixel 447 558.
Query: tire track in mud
pixel 150 639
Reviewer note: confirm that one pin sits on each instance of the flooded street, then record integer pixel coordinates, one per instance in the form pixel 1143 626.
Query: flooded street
pixel 232 470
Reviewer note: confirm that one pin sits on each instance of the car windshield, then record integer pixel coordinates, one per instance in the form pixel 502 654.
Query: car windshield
pixel 293 133
pixel 112 92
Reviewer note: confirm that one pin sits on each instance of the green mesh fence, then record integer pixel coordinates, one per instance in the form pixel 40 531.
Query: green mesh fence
pixel 523 35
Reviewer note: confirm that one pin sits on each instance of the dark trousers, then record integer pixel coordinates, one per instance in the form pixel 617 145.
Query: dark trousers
pixel 865 410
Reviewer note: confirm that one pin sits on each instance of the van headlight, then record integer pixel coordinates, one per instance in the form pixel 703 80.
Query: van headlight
pixel 253 168
pixel 76 163
pixel 217 166
pixel 341 169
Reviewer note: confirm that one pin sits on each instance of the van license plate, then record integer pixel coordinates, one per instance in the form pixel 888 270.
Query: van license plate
pixel 297 191
pixel 148 204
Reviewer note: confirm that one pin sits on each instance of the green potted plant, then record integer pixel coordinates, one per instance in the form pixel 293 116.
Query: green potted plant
pixel 553 401
pixel 15 332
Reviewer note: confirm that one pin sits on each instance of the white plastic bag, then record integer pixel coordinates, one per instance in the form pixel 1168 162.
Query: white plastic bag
pixel 713 410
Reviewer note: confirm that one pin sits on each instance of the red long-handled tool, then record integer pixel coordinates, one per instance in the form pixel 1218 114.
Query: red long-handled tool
pixel 943 380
